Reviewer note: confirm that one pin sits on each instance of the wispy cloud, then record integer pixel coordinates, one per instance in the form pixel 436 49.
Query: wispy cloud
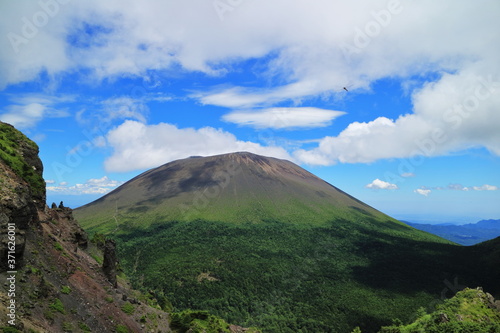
pixel 425 190
pixel 104 114
pixel 92 186
pixel 284 118
pixel 408 175
pixel 27 110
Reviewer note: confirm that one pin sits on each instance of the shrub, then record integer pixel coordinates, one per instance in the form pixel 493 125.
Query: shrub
pixel 83 327
pixel 9 329
pixel 67 327
pixel 58 246
pixel 58 306
pixel 65 290
pixel 128 308
pixel 121 329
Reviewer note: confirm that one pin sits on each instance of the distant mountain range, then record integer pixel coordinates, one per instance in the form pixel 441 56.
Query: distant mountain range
pixel 465 234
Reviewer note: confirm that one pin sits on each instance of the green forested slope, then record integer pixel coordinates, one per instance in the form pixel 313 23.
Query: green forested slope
pixel 289 278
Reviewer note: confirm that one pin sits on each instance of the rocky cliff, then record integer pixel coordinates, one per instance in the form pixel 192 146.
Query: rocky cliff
pixel 22 192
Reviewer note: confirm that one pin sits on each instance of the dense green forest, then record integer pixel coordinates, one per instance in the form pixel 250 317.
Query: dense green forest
pixel 293 278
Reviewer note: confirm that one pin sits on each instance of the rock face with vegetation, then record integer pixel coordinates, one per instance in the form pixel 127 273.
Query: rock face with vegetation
pixel 60 285
pixel 22 188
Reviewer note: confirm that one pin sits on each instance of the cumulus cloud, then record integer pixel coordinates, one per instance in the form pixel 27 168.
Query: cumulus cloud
pixel 456 113
pixel 381 185
pixel 92 186
pixel 140 146
pixel 282 118
pixel 422 191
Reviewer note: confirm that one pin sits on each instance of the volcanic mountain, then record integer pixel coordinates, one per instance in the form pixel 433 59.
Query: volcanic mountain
pixel 261 242
pixel 236 188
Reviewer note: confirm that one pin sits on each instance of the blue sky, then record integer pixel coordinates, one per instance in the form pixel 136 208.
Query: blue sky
pixel 111 89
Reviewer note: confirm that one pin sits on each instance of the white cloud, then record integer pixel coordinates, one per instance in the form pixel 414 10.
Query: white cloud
pixel 485 187
pixel 92 186
pixel 24 116
pixel 315 48
pixel 104 113
pixel 50 181
pixel 281 118
pixel 460 187
pixel 381 185
pixel 456 113
pixel 29 109
pixel 139 146
pixel 101 115
pixel 421 191
pixel 304 50
pixel 125 108
pixel 455 187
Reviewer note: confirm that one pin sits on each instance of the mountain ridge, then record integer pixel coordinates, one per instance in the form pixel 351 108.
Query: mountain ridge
pixel 464 234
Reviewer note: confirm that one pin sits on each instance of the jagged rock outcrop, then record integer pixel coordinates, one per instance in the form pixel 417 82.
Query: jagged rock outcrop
pixel 110 261
pixel 73 232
